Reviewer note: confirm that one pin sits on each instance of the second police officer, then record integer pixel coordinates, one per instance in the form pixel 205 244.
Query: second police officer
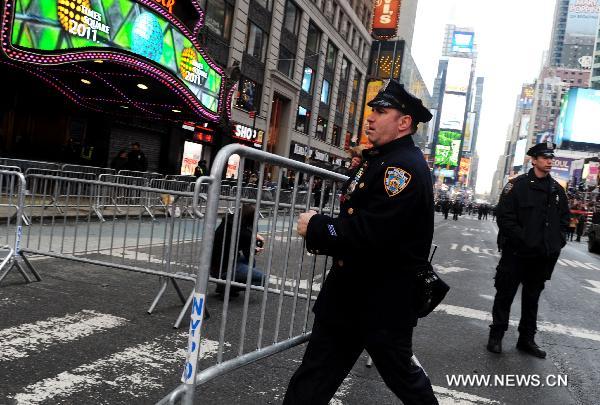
pixel 533 218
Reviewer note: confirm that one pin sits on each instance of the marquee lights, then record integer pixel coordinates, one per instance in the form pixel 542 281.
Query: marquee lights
pixel 139 64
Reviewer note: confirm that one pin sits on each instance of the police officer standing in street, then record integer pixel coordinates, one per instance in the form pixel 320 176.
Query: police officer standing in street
pixel 533 219
pixel 381 238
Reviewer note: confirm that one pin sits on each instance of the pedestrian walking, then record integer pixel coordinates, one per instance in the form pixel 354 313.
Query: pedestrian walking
pixel 445 208
pixel 572 226
pixel 120 162
pixel 375 260
pixel 456 210
pixel 580 227
pixel 201 169
pixel 533 217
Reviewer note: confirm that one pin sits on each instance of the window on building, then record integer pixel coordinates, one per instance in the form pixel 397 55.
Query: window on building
pixel 356 81
pixel 331 55
pixel 218 17
pixel 257 42
pixel 286 61
pixel 307 79
pixel 345 69
pixel 340 21
pixel 313 40
pixel 348 29
pixel 249 98
pixel 325 92
pixel 335 11
pixel 321 131
pixel 266 3
pixel 352 109
pixel 291 19
pixel 302 119
pixel 341 101
pixel 336 135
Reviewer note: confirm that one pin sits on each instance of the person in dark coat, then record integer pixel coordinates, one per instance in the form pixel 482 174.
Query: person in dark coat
pixel 580 227
pixel 137 159
pixel 222 244
pixel 201 169
pixel 120 162
pixel 533 218
pixel 379 241
pixel 456 210
pixel 445 208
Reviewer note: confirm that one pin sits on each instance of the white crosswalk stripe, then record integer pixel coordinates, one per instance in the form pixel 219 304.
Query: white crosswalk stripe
pixel 139 368
pixel 23 340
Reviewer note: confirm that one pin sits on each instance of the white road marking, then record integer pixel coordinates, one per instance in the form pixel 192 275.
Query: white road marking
pixel 542 326
pixel 466 234
pixel 578 264
pixel 451 397
pixel 450 269
pixel 276 283
pixel 487 297
pixel 139 368
pixel 595 284
pixel 23 340
pixel 342 391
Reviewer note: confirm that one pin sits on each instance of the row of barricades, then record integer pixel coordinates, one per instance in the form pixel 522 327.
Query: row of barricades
pixel 202 233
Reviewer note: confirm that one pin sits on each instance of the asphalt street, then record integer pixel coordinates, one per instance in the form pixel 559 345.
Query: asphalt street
pixel 82 334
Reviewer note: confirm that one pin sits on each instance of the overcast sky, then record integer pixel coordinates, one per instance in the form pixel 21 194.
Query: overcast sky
pixel 511 37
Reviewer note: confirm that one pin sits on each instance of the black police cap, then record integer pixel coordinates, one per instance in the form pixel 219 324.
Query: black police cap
pixel 393 95
pixel 542 149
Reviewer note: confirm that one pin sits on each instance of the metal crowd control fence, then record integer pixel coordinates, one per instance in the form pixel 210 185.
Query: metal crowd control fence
pixel 26 164
pixel 131 194
pixel 145 175
pixel 127 239
pixel 88 169
pixel 12 191
pixel 275 314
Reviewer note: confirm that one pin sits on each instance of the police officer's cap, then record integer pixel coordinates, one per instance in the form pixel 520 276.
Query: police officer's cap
pixel 545 149
pixel 393 95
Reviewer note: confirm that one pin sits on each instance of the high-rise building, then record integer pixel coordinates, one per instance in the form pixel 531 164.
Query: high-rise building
pixel 457 96
pixel 550 87
pixel 573 33
pixel 595 76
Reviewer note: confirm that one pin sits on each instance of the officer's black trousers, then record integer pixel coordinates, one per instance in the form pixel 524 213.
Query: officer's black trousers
pixel 332 352
pixel 510 273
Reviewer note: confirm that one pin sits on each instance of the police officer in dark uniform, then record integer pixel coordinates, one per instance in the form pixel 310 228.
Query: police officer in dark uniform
pixel 381 238
pixel 533 219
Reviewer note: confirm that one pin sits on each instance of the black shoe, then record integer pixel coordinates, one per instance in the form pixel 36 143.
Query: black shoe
pixel 494 345
pixel 530 347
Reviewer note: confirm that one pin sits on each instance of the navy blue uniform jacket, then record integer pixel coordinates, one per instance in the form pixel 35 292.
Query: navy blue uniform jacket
pixel 381 236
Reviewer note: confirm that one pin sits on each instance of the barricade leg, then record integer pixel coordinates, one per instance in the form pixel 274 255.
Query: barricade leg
pixel 29 266
pixel 183 311
pixel 161 291
pixel 178 290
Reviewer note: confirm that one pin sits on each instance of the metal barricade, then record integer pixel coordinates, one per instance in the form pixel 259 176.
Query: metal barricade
pixel 164 200
pixel 127 239
pixel 9 168
pixel 29 164
pixel 145 175
pixel 88 169
pixel 12 191
pixel 126 198
pixel 275 314
pixel 181 177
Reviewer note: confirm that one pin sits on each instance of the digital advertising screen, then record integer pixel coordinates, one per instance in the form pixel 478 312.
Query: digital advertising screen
pixel 458 75
pixel 561 169
pixel 68 28
pixel 582 17
pixel 578 120
pixel 462 41
pixel 524 125
pixel 372 89
pixel 453 111
pixel 520 148
pixel 469 129
pixel 447 148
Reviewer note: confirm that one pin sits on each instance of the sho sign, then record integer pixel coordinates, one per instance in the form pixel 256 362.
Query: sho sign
pixel 248 134
pixel 385 18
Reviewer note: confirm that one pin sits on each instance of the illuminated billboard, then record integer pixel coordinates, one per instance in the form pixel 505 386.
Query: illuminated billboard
pixel 520 148
pixel 447 148
pixel 524 125
pixel 453 111
pixel 582 18
pixel 469 129
pixel 578 120
pixel 141 34
pixel 458 75
pixel 462 41
pixel 385 18
pixel 465 167
pixel 372 89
